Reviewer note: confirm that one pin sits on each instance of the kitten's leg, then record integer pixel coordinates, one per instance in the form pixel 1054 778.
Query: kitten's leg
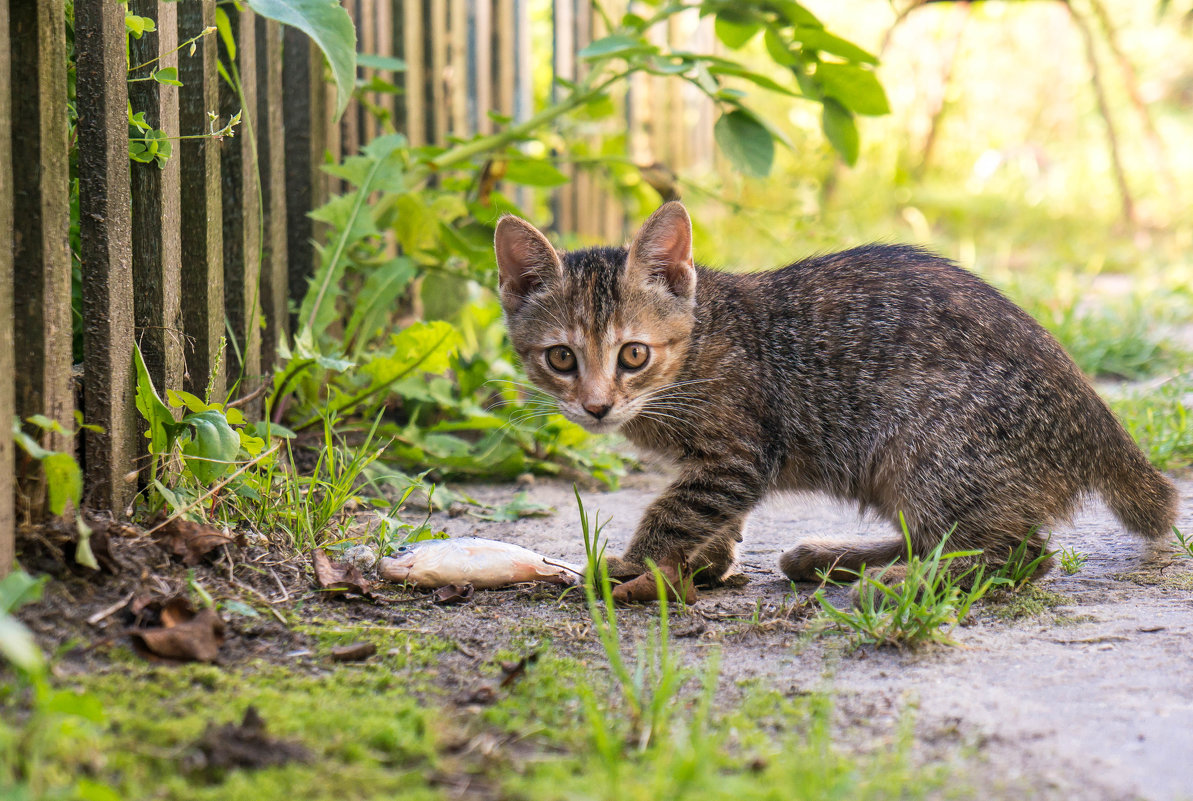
pixel 841 559
pixel 695 515
pixel 714 558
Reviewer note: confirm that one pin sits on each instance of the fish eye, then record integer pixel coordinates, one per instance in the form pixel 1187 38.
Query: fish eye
pixel 633 356
pixel 402 549
pixel 561 359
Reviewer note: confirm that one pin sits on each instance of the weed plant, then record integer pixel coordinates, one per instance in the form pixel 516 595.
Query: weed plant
pixel 923 607
pixel 1183 543
pixel 1071 560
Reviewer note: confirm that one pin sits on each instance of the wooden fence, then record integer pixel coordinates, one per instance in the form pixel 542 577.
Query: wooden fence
pixel 181 257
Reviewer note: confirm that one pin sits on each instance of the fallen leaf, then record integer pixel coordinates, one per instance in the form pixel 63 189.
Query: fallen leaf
pixel 246 745
pixel 184 635
pixel 453 594
pixel 644 587
pixel 511 671
pixel 191 541
pixel 338 576
pixel 353 653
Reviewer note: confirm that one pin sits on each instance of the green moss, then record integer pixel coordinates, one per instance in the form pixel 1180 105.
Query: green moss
pixel 1173 580
pixel 1026 602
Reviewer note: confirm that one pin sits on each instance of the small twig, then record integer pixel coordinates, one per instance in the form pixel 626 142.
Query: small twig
pixel 261 597
pixel 281 587
pixel 184 509
pixel 249 398
pixel 108 611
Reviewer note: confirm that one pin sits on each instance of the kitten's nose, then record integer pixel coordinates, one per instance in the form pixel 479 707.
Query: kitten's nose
pixel 598 410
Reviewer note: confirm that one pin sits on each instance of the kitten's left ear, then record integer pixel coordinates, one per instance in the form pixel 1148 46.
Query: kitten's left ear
pixel 525 259
pixel 663 249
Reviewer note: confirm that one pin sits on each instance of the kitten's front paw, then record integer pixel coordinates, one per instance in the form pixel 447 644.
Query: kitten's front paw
pixel 622 569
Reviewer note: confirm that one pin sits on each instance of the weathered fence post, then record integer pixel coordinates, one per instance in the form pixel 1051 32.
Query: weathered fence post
pixel 7 479
pixel 157 256
pixel 105 236
pixel 271 162
pixel 304 114
pixel 241 209
pixel 41 251
pixel 202 245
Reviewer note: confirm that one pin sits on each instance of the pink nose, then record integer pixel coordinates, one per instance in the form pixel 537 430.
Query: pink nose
pixel 598 410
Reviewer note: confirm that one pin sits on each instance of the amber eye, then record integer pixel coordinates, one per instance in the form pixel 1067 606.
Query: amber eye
pixel 633 355
pixel 561 359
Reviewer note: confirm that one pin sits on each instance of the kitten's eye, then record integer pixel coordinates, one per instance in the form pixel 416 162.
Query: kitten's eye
pixel 561 359
pixel 633 355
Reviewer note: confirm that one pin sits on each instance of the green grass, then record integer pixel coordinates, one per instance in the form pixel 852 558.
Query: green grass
pixel 1158 420
pixel 1183 543
pixel 1071 560
pixel 923 606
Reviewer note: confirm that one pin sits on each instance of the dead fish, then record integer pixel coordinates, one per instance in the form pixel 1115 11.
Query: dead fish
pixel 485 564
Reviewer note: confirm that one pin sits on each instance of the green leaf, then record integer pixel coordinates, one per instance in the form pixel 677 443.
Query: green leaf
pixel 734 28
pixel 855 88
pixel 179 398
pixel 329 25
pixel 213 446
pixel 225 30
pixel 376 62
pixel 820 39
pixel 64 481
pixel 756 78
pixel 533 172
pixel 377 299
pixel 19 588
pixel 778 49
pixel 17 645
pixel 168 76
pixel 746 142
pixel 156 414
pixel 841 130
pixel 617 44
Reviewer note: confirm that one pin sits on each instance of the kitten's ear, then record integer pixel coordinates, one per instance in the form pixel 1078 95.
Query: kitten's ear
pixel 525 259
pixel 663 249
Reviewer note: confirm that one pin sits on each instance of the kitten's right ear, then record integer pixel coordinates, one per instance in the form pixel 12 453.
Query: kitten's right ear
pixel 525 259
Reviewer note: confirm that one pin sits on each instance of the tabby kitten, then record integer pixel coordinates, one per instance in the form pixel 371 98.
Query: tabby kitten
pixel 884 375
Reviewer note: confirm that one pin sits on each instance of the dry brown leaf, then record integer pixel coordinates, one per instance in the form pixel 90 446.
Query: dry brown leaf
pixel 453 594
pixel 339 576
pixel 184 636
pixel 354 652
pixel 191 541
pixel 645 588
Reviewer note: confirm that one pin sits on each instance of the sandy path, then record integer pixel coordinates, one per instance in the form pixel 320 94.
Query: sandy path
pixel 1093 699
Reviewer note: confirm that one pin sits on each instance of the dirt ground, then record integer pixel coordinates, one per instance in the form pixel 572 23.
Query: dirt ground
pixel 1091 697
pixel 1078 689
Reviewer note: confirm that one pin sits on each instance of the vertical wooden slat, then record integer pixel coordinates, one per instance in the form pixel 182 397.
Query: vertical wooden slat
pixel 240 207
pixel 271 158
pixel 41 251
pixel 480 67
pixel 565 67
pixel 304 114
pixel 105 237
pixel 202 217
pixel 416 113
pixel 436 48
pixel 455 77
pixel 157 277
pixel 348 128
pixel 385 48
pixel 366 32
pixel 504 56
pixel 7 409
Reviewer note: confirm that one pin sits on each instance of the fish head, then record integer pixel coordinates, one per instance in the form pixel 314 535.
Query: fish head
pixel 401 561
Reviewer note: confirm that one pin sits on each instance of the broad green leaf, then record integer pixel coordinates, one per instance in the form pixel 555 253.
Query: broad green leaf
pixel 746 142
pixel 179 398
pixel 383 286
pixel 156 414
pixel 64 481
pixel 841 130
pixel 755 78
pixel 375 62
pixel 734 29
pixel 820 39
pixel 795 13
pixel 855 88
pixel 19 588
pixel 168 76
pixel 533 172
pixel 424 347
pixel 224 27
pixel 779 50
pixel 17 645
pixel 617 44
pixel 213 446
pixel 329 25
pixel 83 553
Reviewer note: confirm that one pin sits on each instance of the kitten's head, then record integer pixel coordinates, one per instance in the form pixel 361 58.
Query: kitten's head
pixel 600 329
